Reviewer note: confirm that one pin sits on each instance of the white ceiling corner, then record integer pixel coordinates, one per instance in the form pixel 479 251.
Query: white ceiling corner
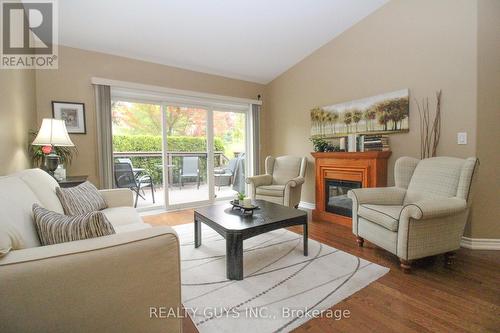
pixel 253 40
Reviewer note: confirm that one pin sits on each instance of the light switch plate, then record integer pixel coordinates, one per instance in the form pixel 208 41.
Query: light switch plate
pixel 462 138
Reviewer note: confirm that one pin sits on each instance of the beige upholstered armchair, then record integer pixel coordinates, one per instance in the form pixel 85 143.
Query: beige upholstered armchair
pixel 282 182
pixel 423 215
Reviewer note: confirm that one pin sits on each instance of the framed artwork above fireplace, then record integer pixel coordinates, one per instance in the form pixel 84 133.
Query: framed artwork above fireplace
pixel 382 114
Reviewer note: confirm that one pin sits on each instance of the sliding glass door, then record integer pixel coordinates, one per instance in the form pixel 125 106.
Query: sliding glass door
pixel 186 155
pixel 137 150
pixel 229 156
pixel 178 155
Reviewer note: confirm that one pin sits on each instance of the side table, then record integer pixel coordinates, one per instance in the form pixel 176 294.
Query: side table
pixel 72 181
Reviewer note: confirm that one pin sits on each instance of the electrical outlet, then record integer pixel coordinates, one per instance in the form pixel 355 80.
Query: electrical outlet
pixel 462 138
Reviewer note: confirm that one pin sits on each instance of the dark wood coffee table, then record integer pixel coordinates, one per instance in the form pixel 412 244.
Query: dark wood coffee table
pixel 235 228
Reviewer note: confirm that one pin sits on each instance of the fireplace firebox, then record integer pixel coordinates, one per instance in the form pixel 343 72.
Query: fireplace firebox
pixel 336 198
pixel 337 173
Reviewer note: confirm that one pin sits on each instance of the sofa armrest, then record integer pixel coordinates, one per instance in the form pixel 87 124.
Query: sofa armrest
pixel 260 180
pixel 429 209
pixel 118 197
pixel 377 195
pixel 96 285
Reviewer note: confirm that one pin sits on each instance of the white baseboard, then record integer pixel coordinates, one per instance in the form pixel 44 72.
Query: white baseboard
pixel 307 205
pixel 480 243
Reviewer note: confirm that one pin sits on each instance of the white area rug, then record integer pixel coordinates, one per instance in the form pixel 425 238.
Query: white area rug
pixel 282 288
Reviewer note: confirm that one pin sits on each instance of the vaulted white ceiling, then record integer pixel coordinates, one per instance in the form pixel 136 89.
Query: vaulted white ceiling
pixel 254 40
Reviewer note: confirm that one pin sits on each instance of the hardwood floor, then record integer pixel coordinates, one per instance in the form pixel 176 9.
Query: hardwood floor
pixel 463 297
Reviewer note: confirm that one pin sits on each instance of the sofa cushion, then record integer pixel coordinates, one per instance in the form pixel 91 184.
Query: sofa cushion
pixel 131 227
pixel 16 199
pixel 5 241
pixel 81 199
pixel 44 187
pixel 386 216
pixel 10 235
pixel 271 190
pixel 277 200
pixel 55 228
pixel 119 216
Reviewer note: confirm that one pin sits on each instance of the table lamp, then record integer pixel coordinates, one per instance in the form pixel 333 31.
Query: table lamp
pixel 52 134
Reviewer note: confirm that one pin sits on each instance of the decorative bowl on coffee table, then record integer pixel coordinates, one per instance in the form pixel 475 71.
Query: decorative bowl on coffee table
pixel 244 209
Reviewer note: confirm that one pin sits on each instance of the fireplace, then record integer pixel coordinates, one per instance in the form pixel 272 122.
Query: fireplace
pixel 336 200
pixel 337 173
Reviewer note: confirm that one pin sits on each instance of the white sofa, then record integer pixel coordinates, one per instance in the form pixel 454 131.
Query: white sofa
pixel 105 284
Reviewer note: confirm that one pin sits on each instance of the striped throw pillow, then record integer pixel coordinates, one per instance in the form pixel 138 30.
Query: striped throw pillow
pixel 54 228
pixel 80 199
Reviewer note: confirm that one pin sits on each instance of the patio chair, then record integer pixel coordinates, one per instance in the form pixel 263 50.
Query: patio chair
pixel 190 169
pixel 224 176
pixel 125 178
pixel 139 173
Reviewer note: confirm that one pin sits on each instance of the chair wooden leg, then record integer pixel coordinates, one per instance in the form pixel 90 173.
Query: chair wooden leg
pixel 405 265
pixel 449 257
pixel 360 241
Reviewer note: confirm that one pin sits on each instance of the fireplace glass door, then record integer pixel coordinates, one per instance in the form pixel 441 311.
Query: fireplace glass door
pixel 336 198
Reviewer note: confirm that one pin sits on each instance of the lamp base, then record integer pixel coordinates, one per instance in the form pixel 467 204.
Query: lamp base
pixel 51 163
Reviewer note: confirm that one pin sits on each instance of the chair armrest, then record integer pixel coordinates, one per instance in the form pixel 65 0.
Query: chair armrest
pixel 112 281
pixel 295 182
pixel 118 197
pixel 144 177
pixel 260 180
pixel 377 195
pixel 429 209
pixel 293 188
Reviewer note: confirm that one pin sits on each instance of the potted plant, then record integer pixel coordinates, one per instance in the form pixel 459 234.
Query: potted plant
pixel 239 198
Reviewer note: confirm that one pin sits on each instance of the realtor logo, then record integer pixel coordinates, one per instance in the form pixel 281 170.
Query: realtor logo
pixel 29 34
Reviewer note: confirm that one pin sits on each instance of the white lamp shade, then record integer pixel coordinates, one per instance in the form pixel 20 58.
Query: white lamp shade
pixel 53 132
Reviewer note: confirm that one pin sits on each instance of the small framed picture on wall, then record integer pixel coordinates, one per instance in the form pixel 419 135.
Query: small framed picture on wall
pixel 73 115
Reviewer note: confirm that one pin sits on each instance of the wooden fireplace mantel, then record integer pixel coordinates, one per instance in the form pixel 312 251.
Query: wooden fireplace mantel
pixel 368 168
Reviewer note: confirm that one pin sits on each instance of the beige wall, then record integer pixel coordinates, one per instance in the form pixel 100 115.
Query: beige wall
pixel 17 115
pixel 71 82
pixel 423 45
pixel 486 210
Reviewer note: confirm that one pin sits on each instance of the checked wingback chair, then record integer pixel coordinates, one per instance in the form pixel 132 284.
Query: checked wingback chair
pixel 282 182
pixel 423 215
